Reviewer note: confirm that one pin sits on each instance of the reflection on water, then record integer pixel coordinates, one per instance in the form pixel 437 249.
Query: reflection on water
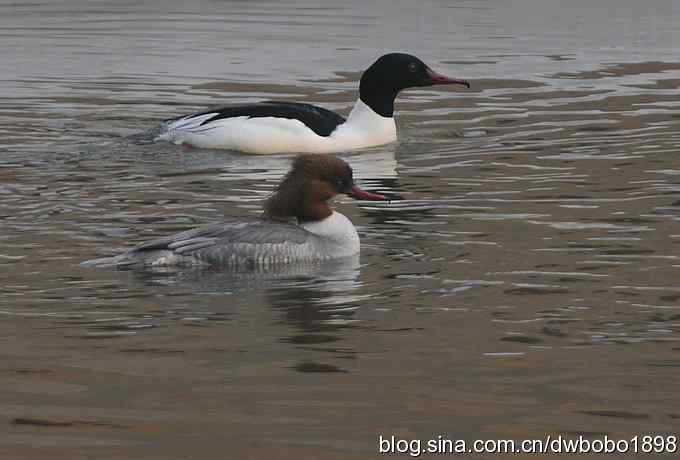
pixel 524 283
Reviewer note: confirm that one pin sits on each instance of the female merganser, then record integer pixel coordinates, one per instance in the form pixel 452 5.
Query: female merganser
pixel 297 225
pixel 276 127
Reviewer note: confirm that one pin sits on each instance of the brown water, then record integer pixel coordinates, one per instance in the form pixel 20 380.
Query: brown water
pixel 527 283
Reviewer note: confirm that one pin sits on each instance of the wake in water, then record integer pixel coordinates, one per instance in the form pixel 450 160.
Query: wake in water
pixel 147 137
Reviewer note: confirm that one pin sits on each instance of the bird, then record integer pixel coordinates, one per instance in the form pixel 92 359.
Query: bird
pixel 291 127
pixel 297 225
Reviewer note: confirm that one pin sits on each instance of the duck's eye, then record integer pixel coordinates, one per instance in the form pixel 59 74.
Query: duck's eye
pixel 338 183
pixel 412 67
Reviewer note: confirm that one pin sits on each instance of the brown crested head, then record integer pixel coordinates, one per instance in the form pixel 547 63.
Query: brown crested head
pixel 311 182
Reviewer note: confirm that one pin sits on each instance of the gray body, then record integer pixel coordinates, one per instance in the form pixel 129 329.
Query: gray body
pixel 244 244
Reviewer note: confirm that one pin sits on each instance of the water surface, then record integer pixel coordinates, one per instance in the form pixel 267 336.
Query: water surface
pixel 526 284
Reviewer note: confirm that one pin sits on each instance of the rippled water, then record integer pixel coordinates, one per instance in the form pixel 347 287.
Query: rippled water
pixel 525 284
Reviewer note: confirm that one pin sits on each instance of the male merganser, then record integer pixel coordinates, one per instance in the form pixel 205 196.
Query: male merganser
pixel 277 127
pixel 297 225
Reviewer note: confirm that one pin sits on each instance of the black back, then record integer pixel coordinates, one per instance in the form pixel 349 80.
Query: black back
pixel 391 73
pixel 322 121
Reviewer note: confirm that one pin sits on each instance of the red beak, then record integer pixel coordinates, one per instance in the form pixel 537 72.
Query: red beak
pixel 359 194
pixel 439 79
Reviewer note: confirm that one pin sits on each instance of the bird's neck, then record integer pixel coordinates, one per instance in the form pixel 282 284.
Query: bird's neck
pixel 297 200
pixel 380 100
pixel 364 114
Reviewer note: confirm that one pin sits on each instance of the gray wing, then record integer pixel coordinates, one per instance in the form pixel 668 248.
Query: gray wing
pixel 233 242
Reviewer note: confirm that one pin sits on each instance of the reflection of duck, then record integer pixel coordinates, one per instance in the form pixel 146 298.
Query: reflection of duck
pixel 376 166
pixel 323 302
pixel 298 225
pixel 275 127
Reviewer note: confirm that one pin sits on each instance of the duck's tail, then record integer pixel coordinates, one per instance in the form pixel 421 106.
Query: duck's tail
pixel 121 260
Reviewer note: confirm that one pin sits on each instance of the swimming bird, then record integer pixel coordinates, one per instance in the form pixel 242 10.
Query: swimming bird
pixel 297 225
pixel 278 127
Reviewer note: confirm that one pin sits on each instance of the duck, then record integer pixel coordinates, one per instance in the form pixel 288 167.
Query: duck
pixel 297 225
pixel 292 127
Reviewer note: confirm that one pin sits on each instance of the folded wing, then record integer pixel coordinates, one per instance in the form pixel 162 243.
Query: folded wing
pixel 322 121
pixel 231 243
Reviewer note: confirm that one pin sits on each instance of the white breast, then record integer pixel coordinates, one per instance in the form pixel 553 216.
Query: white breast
pixel 364 128
pixel 337 236
pixel 265 135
